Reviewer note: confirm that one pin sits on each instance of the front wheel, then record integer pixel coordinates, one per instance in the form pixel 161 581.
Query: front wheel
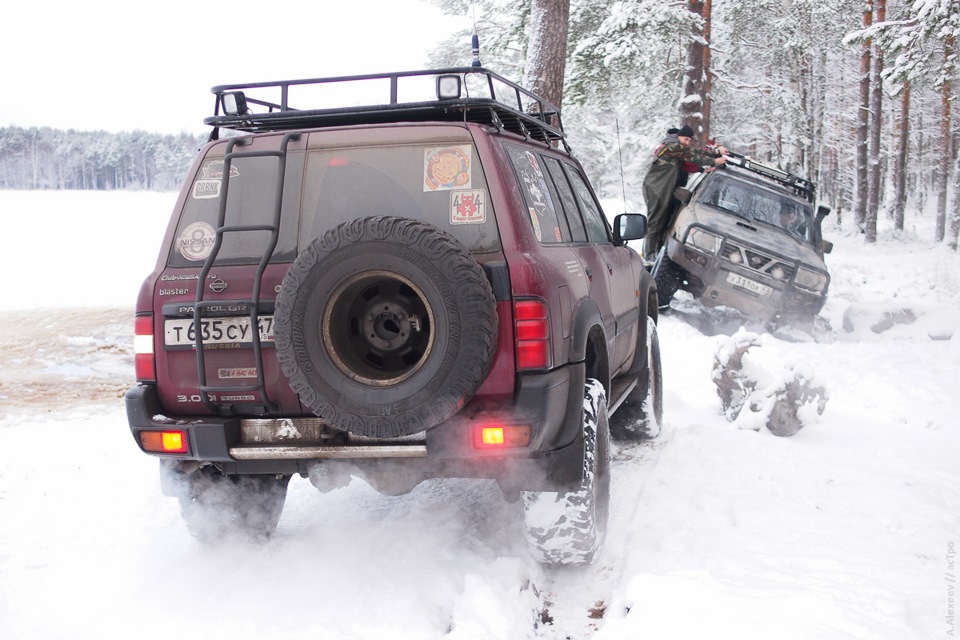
pixel 667 275
pixel 569 527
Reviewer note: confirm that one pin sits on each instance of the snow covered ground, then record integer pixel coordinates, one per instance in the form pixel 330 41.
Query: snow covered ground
pixel 848 529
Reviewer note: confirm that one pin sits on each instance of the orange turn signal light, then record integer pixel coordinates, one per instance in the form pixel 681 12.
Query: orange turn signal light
pixel 164 441
pixel 502 436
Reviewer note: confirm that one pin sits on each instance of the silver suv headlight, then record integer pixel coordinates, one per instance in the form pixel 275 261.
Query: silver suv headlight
pixel 703 240
pixel 810 280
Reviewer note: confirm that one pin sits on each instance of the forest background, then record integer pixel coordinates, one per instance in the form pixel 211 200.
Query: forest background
pixel 856 95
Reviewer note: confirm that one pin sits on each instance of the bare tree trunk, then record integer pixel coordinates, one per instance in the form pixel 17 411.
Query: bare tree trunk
pixel 955 212
pixel 949 50
pixel 692 102
pixel 876 109
pixel 547 48
pixel 707 76
pixel 900 173
pixel 863 122
pixel 947 151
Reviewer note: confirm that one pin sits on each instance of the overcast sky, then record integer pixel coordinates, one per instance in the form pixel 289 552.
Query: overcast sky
pixel 119 65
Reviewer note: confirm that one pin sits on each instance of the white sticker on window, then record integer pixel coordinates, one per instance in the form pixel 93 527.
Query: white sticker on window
pixel 196 241
pixel 446 168
pixel 203 189
pixel 468 207
pixel 535 219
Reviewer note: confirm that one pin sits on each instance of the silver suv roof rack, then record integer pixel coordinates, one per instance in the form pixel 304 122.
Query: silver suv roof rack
pixel 801 186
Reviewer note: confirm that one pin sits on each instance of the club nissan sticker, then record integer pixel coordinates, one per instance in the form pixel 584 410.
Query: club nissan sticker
pixel 196 241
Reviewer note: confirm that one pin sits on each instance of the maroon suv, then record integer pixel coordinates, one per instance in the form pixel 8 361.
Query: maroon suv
pixel 423 287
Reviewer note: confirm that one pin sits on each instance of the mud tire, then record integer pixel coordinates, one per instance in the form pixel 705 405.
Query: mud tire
pixel 569 527
pixel 385 326
pixel 667 274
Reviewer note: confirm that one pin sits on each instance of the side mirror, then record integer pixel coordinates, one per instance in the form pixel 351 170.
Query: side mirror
pixel 826 246
pixel 629 226
pixel 681 194
pixel 822 212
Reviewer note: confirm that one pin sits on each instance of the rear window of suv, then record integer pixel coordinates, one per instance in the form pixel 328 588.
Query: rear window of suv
pixel 441 184
pixel 251 198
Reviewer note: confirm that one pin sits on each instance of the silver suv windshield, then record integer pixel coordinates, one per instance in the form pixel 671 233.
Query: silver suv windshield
pixel 754 203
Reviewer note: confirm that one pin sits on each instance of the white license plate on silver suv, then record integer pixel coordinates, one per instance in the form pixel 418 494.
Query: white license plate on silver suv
pixel 750 285
pixel 179 332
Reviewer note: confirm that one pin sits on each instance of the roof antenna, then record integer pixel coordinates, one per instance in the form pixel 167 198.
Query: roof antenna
pixel 623 184
pixel 475 40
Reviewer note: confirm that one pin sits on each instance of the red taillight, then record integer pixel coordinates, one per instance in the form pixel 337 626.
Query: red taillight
pixel 501 436
pixel 533 334
pixel 143 349
pixel 164 441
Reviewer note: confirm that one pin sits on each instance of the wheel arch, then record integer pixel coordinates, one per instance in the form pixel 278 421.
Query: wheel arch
pixel 588 343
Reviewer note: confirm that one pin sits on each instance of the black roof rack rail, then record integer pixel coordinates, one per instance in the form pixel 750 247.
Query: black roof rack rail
pixel 470 94
pixel 801 186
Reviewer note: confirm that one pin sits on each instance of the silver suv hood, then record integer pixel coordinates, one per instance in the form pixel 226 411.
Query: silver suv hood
pixel 756 234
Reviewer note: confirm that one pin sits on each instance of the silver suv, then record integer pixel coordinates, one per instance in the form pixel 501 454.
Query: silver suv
pixel 746 236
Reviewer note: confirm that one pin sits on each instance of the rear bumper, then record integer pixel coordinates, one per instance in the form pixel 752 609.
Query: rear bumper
pixel 551 403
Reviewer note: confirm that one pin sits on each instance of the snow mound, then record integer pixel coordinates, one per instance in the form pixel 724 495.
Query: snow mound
pixel 782 401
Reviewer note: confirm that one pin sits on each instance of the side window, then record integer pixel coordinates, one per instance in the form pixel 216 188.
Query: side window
pixel 539 196
pixel 597 229
pixel 568 201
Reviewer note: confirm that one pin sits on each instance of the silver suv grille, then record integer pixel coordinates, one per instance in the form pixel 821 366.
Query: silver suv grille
pixel 756 261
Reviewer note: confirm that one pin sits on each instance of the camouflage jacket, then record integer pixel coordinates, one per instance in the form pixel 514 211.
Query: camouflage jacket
pixel 670 151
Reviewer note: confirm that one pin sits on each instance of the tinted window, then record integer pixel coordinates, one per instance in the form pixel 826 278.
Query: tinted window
pixel 442 185
pixel 592 216
pixel 568 201
pixel 537 193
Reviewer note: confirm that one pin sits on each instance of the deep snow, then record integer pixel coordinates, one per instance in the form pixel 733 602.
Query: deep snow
pixel 847 530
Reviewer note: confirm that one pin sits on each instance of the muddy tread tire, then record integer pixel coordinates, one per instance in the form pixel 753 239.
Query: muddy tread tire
pixel 569 527
pixel 393 377
pixel 667 275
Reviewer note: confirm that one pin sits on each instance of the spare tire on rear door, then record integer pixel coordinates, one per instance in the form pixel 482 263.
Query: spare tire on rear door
pixel 385 326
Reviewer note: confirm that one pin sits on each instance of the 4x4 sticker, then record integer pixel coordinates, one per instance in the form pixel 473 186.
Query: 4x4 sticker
pixel 468 207
pixel 196 241
pixel 446 168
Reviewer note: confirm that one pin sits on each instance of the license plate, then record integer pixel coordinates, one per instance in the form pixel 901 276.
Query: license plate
pixel 750 285
pixel 215 331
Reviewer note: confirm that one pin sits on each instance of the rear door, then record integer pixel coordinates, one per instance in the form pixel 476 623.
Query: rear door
pixel 219 242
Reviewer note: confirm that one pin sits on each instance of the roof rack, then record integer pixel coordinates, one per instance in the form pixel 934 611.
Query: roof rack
pixel 801 186
pixel 469 94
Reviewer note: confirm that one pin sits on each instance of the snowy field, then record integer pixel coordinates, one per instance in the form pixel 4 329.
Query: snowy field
pixel 847 530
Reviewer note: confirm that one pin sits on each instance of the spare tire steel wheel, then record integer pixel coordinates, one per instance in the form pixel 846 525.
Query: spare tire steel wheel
pixel 385 326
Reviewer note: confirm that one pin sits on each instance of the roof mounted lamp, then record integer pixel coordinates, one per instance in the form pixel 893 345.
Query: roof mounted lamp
pixel 448 87
pixel 234 103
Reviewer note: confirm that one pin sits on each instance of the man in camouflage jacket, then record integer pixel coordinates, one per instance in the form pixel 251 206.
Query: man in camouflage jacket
pixel 661 180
